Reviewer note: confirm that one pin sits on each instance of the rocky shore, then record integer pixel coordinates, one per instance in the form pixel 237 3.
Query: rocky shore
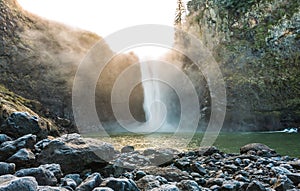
pixel 31 160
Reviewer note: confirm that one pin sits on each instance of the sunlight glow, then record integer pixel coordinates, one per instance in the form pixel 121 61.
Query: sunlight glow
pixel 105 16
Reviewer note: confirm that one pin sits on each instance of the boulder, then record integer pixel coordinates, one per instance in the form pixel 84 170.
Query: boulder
pixel 55 169
pixel 207 151
pixel 21 123
pixel 4 138
pixel 148 182
pixel 294 177
pixel 257 147
pixel 75 154
pixel 255 186
pixel 120 184
pixel 188 185
pixel 7 168
pixel 166 187
pixel 75 177
pixel 12 183
pixel 91 182
pixel 22 158
pixel 103 189
pixel 8 148
pixel 127 149
pixel 43 176
pixel 49 188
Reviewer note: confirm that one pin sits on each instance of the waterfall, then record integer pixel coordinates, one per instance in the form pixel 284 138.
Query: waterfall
pixel 154 107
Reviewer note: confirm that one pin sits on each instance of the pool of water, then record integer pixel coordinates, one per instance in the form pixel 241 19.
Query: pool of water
pixel 282 143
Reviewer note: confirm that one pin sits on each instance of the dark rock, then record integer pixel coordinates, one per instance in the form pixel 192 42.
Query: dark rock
pixel 22 158
pixel 55 169
pixel 214 181
pixel 148 152
pixel 148 182
pixel 75 177
pixel 171 174
pixel 120 184
pixel 39 146
pixel 294 177
pixel 8 148
pixel 49 188
pixel 127 149
pixel 7 168
pixel 91 182
pixel 256 147
pixel 162 157
pixel 68 182
pixel 280 170
pixel 255 186
pixel 197 167
pixel 166 187
pixel 4 138
pixel 103 189
pixel 75 154
pixel 283 183
pixel 12 183
pixel 21 123
pixel 188 185
pixel 207 151
pixel 43 176
pixel 139 174
pixel 295 164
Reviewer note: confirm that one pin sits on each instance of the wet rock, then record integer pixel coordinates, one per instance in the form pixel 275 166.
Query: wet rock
pixel 256 147
pixel 283 183
pixel 49 188
pixel 8 148
pixel 280 170
pixel 103 189
pixel 294 177
pixel 22 158
pixel 75 177
pixel 197 167
pixel 75 154
pixel 4 138
pixel 43 176
pixel 295 164
pixel 188 185
pixel 55 169
pixel 7 168
pixel 91 182
pixel 12 183
pixel 207 151
pixel 68 182
pixel 127 149
pixel 21 123
pixel 255 186
pixel 139 174
pixel 148 182
pixel 166 187
pixel 120 184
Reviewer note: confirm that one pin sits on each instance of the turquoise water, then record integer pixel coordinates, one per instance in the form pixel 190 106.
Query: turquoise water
pixel 282 143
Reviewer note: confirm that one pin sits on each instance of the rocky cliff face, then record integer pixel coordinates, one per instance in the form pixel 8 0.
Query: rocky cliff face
pixel 39 59
pixel 257 45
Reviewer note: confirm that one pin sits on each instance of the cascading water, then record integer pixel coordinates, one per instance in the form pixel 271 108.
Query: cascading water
pixel 154 107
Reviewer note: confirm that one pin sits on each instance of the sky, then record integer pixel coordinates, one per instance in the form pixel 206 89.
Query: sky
pixel 105 17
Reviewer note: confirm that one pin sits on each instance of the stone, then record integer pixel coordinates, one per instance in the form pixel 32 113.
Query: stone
pixel 8 148
pixel 103 189
pixel 162 157
pixel 22 158
pixel 295 164
pixel 280 170
pixel 255 186
pixel 207 151
pixel 283 183
pixel 120 184
pixel 49 188
pixel 139 174
pixel 148 182
pixel 19 124
pixel 197 167
pixel 188 185
pixel 148 152
pixel 166 187
pixel 43 176
pixel 75 154
pixel 68 182
pixel 127 149
pixel 256 147
pixel 92 181
pixel 4 138
pixel 12 183
pixel 7 168
pixel 55 169
pixel 294 177
pixel 75 177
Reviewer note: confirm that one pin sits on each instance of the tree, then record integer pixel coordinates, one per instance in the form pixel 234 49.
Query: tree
pixel 180 13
